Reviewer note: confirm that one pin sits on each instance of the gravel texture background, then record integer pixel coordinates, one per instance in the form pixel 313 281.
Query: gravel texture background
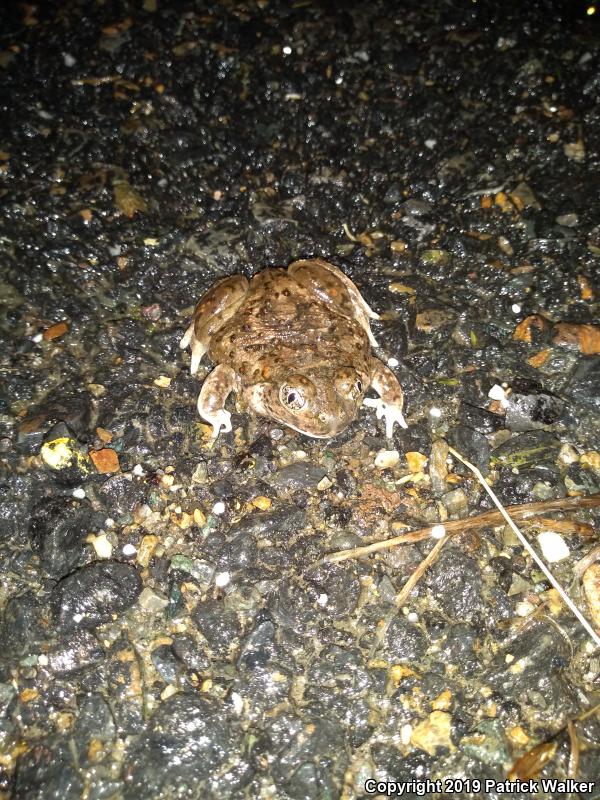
pixel 168 627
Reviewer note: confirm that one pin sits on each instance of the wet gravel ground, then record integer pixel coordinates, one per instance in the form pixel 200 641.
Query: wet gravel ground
pixel 168 627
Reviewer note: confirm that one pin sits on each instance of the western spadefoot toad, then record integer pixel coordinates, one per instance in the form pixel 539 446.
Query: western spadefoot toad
pixel 295 345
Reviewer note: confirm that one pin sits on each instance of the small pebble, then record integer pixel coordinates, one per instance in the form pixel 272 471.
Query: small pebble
pixel 553 546
pixel 438 531
pixel 152 602
pixel 497 393
pixel 102 547
pixel 129 550
pixel 219 508
pixel 138 471
pixel 222 579
pixel 386 459
pixel 79 493
pixel 392 362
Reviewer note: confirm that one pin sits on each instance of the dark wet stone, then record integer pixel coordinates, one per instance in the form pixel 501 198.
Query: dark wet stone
pixel 487 743
pixel 166 663
pixel 57 530
pixel 192 654
pixel 94 721
pixel 219 625
pixel 239 554
pixel 455 582
pixel 259 647
pixel 542 653
pixel 479 418
pixel 527 450
pixel 404 641
pixel 393 765
pixel 301 475
pixel 89 597
pixel 584 384
pixel 338 588
pixel 581 480
pixel 294 606
pixel 25 624
pixel 72 409
pixel 472 445
pixel 278 525
pixel 122 494
pixel 48 771
pixel 187 740
pixel 526 412
pixel 459 647
pixel 82 650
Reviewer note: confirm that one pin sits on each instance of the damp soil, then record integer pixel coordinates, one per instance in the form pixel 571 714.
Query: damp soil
pixel 169 628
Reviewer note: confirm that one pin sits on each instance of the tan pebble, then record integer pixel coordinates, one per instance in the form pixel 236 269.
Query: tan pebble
pixel 104 435
pixel 591 587
pixel 167 481
pixel 199 517
pixel 163 381
pixel 443 701
pixel 146 549
pixel 55 331
pixel 517 736
pixel 591 460
pixel 324 484
pixel 102 547
pixel 434 732
pixel 567 455
pixel 416 461
pixel 400 288
pixel 261 502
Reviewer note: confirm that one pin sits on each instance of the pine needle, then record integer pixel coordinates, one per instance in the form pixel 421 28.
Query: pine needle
pixel 570 604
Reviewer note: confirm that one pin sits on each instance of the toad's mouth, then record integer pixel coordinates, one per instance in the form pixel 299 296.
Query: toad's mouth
pixel 321 426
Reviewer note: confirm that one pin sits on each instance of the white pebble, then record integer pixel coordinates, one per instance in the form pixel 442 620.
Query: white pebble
pixel 109 522
pixel 69 60
pixel 138 470
pixel 497 392
pixel 406 733
pixel 386 458
pixel 515 308
pixel 438 531
pixel 553 546
pixel 79 493
pixel 435 412
pixel 322 599
pixel 430 143
pixel 287 50
pixel 218 508
pixel 392 362
pixel 38 338
pixel 222 579
pixel 129 550
pixel 101 545
pixel 412 616
pixel 238 702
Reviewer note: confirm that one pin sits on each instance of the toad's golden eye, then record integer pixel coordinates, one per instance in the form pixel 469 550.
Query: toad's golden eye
pixel 348 384
pixel 291 397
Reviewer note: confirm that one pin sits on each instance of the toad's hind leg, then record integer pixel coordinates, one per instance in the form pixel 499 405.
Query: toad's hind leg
pixel 214 308
pixel 390 402
pixel 335 289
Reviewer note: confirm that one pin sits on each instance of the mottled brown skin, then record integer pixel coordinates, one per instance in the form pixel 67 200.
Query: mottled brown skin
pixel 295 345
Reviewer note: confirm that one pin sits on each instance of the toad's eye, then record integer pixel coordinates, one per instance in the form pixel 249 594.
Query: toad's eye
pixel 291 397
pixel 348 384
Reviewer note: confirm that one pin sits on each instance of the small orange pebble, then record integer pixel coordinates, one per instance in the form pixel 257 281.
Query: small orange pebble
pixel 105 460
pixel 587 293
pixel 503 202
pixel 27 695
pixel 104 435
pixel 585 337
pixel 522 332
pixel 85 214
pixel 486 201
pixel 55 331
pixel 539 358
pixel 517 736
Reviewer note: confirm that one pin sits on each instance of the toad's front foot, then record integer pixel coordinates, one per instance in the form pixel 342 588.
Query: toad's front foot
pixel 211 401
pixel 220 420
pixel 392 414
